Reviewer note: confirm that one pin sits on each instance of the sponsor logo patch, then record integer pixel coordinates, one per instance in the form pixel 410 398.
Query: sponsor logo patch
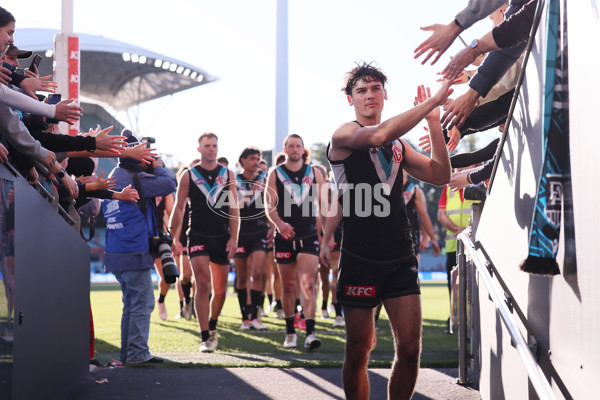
pixel 283 254
pixel 414 269
pixel 359 291
pixel 199 247
pixel 241 250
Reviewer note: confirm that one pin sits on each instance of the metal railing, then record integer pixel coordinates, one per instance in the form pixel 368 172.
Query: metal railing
pixel 42 190
pixel 534 371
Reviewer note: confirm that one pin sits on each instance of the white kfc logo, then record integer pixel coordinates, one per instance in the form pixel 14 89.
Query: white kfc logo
pixel 360 291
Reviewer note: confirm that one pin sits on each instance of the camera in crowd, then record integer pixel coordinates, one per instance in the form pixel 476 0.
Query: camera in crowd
pixel 17 75
pixel 161 245
pixel 149 140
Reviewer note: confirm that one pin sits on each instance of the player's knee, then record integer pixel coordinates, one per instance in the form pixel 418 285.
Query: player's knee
pixel 203 286
pixel 409 351
pixel 357 352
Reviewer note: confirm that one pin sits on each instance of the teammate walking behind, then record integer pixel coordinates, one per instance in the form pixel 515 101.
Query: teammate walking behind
pixel 292 210
pixel 212 235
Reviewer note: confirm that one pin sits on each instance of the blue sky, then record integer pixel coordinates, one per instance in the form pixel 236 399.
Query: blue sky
pixel 235 40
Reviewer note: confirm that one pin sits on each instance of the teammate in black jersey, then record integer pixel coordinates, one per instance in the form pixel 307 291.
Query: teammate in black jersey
pixel 253 242
pixel 377 259
pixel 293 211
pixel 212 234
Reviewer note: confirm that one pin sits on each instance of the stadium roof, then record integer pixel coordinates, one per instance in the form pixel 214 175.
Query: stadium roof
pixel 116 73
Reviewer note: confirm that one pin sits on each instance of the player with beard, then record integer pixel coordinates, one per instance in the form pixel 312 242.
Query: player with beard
pixel 297 186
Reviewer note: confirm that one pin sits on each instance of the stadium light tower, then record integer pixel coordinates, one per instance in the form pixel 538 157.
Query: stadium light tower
pixel 281 83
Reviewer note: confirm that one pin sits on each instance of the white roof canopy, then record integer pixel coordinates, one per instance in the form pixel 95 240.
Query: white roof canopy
pixel 116 73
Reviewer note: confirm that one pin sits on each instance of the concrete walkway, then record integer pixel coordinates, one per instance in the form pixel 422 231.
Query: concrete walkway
pixel 161 383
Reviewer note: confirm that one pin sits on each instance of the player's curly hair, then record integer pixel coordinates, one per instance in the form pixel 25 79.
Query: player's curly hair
pixel 363 71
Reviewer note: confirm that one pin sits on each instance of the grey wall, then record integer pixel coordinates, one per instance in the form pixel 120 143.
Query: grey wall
pixel 51 344
pixel 564 310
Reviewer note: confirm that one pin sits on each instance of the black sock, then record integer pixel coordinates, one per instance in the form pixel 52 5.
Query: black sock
pixel 161 298
pixel 310 326
pixel 212 324
pixel 338 310
pixel 298 306
pixel 186 288
pixel 180 305
pixel 270 297
pixel 241 293
pixel 255 296
pixel 289 325
pixel 279 305
pixel 324 305
pixel 262 300
pixel 205 335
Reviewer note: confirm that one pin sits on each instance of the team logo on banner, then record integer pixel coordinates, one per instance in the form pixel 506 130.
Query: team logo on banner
pixel 554 191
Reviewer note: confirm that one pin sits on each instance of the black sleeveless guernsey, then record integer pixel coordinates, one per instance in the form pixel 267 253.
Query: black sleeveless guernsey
pixel 252 204
pixel 209 206
pixel 295 199
pixel 370 190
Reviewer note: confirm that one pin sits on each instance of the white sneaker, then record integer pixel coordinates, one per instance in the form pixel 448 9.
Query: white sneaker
pixel 324 314
pixel 245 325
pixel 178 315
pixel 213 339
pixel 312 342
pixel 186 311
pixel 261 313
pixel 331 309
pixel 338 322
pixel 279 314
pixel 256 324
pixel 290 340
pixel 271 307
pixel 207 347
pixel 162 311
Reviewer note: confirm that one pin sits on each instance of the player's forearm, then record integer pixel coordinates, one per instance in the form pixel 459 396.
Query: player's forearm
pixel 234 222
pixel 440 161
pixel 331 222
pixel 397 126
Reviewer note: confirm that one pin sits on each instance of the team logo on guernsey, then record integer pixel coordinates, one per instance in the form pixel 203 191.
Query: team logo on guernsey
pixel 221 180
pixel 297 192
pixel 250 191
pixel 211 192
pixel 397 154
pixel 409 192
pixel 387 171
pixel 359 291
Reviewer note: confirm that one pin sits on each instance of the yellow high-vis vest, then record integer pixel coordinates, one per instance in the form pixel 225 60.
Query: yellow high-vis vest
pixel 459 212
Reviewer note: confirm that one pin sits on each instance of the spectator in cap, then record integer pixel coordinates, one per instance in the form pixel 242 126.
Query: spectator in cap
pixel 129 227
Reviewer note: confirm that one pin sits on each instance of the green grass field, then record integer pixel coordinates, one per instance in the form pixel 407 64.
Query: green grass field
pixel 178 340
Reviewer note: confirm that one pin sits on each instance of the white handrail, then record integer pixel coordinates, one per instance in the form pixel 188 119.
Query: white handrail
pixel 536 375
